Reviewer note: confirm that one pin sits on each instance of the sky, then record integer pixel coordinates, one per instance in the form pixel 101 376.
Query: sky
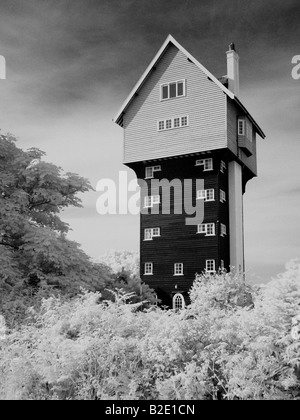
pixel 71 64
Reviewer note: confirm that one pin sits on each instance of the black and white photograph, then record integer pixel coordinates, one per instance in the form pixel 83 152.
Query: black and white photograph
pixel 149 202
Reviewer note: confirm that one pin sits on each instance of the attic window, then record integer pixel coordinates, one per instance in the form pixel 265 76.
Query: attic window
pixel 172 90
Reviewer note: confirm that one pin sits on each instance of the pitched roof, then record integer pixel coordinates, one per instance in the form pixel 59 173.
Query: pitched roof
pixel 137 87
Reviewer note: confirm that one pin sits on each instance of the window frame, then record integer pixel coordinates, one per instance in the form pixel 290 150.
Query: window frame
pixel 213 194
pixel 203 162
pixel 207 262
pixel 199 226
pixel 161 125
pixel 223 166
pixel 223 229
pixel 169 122
pixel 172 119
pixel 155 168
pixel 178 295
pixel 205 230
pixel 249 130
pixel 183 81
pixel 150 264
pixel 243 131
pixel 150 234
pixel 222 196
pixel 180 271
pixel 154 235
pixel 152 202
pixel 213 229
pixel 206 193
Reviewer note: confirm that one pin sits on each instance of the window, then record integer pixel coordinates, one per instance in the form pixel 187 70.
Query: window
pixel 206 163
pixel 223 230
pixel 155 199
pixel 201 194
pixel 210 195
pixel 148 268
pixel 172 90
pixel 207 228
pixel 184 121
pixel 222 196
pixel 149 171
pixel 156 232
pixel 222 166
pixel 161 125
pixel 210 266
pixel 178 269
pixel 207 195
pixel 202 228
pixel 249 130
pixel 178 302
pixel 241 127
pixel 210 229
pixel 149 233
pixel 175 122
pixel 150 200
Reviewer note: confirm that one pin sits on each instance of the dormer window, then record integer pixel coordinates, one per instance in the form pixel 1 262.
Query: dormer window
pixel 172 90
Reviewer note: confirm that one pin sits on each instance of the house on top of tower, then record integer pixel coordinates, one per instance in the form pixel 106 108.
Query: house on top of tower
pixel 181 122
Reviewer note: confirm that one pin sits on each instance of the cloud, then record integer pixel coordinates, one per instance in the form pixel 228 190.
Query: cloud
pixel 70 65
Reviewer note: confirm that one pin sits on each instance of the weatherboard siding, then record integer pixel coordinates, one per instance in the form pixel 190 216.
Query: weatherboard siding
pixel 204 104
pixel 178 242
pixel 233 113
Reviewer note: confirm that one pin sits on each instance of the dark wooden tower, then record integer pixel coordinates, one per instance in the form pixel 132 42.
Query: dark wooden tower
pixel 181 123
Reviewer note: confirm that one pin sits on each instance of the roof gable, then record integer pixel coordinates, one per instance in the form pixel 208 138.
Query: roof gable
pixel 145 75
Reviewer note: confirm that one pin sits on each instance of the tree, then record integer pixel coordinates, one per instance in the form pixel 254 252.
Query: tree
pixel 124 266
pixel 120 261
pixel 34 249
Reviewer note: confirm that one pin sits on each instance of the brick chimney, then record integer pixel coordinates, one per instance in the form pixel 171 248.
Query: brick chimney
pixel 233 70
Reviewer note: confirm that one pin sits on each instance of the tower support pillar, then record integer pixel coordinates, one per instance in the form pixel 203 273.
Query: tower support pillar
pixel 236 224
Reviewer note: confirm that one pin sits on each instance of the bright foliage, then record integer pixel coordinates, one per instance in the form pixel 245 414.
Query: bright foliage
pixel 227 344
